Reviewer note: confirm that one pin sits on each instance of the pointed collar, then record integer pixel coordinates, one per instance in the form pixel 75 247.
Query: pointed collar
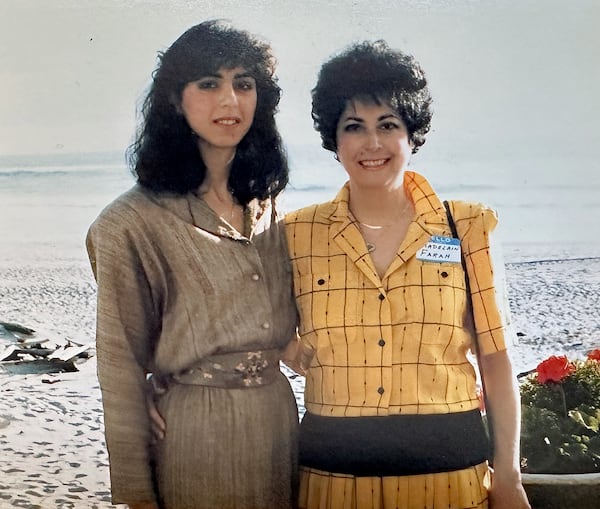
pixel 192 209
pixel 430 213
pixel 430 219
pixel 339 206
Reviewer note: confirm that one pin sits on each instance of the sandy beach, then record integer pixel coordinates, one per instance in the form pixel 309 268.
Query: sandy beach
pixel 51 433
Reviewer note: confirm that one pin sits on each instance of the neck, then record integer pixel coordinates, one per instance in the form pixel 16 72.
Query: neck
pixel 376 206
pixel 218 165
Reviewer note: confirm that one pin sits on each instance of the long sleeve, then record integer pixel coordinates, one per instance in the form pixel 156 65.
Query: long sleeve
pixel 127 326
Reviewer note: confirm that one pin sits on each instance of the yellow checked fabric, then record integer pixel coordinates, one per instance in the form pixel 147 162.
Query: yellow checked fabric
pixel 462 489
pixel 397 344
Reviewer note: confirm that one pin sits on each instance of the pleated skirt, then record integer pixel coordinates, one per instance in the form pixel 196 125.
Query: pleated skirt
pixel 462 489
pixel 228 448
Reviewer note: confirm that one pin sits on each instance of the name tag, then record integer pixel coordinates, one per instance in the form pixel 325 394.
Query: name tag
pixel 440 249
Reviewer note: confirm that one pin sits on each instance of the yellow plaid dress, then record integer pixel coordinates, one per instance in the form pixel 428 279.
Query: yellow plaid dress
pixel 393 345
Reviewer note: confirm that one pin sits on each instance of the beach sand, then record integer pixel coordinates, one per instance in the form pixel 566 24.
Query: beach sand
pixel 52 451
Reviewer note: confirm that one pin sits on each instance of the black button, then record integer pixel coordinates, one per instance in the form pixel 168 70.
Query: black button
pixel 321 282
pixel 444 274
pixel 381 390
pixel 381 296
pixel 381 342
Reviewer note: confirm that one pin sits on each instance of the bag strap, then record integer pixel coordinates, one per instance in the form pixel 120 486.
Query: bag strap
pixel 452 225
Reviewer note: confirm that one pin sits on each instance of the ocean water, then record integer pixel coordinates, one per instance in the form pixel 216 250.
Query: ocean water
pixel 547 211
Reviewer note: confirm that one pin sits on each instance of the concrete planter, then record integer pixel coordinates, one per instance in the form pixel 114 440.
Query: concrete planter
pixel 563 491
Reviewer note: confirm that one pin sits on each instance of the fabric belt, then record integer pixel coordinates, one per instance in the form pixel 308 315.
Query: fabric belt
pixel 230 371
pixel 393 445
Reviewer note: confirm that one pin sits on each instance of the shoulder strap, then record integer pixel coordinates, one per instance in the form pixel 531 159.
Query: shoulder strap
pixel 451 221
pixel 452 225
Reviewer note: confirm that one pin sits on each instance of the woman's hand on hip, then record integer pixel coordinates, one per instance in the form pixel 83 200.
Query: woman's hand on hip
pixel 157 423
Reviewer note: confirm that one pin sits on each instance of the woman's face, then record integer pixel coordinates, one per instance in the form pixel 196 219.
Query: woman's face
pixel 220 108
pixel 372 144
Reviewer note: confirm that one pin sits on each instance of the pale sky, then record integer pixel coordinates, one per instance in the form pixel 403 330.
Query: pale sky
pixel 506 75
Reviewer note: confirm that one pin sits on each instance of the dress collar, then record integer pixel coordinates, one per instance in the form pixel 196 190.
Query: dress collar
pixel 429 219
pixel 430 213
pixel 193 210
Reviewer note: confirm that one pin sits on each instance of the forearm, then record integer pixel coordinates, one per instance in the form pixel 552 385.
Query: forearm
pixel 503 404
pixel 126 430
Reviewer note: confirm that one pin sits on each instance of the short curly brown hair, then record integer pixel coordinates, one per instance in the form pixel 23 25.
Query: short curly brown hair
pixel 373 72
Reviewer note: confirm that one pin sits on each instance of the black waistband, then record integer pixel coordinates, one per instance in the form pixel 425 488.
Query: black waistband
pixel 393 445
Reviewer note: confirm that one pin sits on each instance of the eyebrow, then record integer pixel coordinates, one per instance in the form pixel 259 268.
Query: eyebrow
pixel 379 119
pixel 240 75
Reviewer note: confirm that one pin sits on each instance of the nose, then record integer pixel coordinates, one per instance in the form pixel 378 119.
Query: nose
pixel 228 96
pixel 372 141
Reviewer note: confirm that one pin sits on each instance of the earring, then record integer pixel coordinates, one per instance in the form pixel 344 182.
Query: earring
pixel 335 156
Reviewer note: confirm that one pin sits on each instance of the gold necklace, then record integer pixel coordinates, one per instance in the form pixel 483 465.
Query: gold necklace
pixel 370 244
pixel 381 226
pixel 227 216
pixel 374 226
pixel 230 212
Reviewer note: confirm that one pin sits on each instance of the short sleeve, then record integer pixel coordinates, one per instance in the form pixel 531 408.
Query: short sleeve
pixel 475 224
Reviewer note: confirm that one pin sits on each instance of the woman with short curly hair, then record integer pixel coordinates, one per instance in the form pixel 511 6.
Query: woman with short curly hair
pixel 373 73
pixel 392 413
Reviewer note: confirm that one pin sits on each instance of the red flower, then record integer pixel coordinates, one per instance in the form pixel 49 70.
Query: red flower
pixel 594 355
pixel 554 369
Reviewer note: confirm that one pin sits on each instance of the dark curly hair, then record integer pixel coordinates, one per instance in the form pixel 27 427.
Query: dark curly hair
pixel 165 154
pixel 371 71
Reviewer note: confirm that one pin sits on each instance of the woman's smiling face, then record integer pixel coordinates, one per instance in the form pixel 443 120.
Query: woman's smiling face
pixel 373 144
pixel 220 108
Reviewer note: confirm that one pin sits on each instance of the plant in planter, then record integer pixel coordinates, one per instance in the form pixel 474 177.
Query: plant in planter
pixel 561 416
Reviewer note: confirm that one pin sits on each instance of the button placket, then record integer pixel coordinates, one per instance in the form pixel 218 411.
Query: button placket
pixel 385 347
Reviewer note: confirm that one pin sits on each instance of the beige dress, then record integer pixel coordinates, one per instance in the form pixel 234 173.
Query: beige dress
pixel 176 286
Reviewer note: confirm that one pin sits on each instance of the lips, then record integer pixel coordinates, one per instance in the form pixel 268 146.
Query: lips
pixel 227 121
pixel 373 163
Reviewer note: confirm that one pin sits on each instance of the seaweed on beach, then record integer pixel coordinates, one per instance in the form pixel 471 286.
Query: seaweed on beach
pixel 18 328
pixel 22 353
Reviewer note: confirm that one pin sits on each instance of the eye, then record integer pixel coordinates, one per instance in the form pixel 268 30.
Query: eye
pixel 389 126
pixel 207 83
pixel 352 127
pixel 245 84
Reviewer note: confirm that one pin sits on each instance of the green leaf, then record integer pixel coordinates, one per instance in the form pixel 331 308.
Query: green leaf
pixel 588 421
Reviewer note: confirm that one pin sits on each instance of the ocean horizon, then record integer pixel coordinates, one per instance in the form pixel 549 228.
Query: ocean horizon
pixel 547 210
